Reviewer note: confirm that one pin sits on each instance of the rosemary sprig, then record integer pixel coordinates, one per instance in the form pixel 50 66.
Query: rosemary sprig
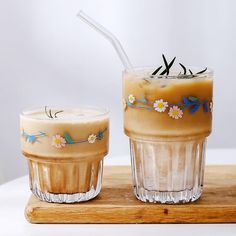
pixel 156 71
pixel 49 114
pixel 184 68
pixel 168 66
pixel 55 114
pixel 202 71
pixel 166 71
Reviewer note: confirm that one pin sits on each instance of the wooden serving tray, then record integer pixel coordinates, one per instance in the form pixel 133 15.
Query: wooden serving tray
pixel 117 204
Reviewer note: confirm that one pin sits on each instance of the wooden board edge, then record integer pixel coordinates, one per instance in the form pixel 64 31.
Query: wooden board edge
pixel 133 215
pixel 29 214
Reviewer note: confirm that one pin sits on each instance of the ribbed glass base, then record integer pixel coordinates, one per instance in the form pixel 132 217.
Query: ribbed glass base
pixel 66 182
pixel 187 195
pixel 67 198
pixel 168 171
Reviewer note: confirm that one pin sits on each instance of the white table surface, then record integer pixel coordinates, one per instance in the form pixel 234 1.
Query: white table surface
pixel 15 194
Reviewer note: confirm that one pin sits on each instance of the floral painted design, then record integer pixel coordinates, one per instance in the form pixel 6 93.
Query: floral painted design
pixel 160 105
pixel 58 141
pixel 32 138
pixel 175 112
pixel 131 98
pixel 92 138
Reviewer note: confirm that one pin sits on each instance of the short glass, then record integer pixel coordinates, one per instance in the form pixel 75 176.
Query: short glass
pixel 167 119
pixel 65 148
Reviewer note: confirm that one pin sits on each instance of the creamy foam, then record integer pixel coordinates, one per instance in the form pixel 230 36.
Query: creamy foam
pixel 68 114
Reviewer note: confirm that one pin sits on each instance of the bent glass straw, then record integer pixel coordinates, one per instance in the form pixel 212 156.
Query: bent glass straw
pixel 109 36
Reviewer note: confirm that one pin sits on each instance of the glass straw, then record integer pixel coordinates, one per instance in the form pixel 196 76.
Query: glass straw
pixel 109 36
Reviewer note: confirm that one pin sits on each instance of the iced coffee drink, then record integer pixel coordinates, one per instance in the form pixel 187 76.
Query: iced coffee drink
pixel 167 118
pixel 65 150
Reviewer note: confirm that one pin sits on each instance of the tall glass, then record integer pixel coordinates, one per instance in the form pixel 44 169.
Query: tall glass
pixel 65 148
pixel 167 119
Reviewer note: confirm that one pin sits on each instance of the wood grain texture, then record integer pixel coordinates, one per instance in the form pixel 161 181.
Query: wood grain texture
pixel 117 204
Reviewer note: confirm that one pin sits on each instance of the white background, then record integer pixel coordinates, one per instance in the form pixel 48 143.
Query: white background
pixel 49 57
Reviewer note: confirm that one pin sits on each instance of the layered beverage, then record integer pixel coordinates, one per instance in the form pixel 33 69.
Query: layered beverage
pixel 65 150
pixel 167 118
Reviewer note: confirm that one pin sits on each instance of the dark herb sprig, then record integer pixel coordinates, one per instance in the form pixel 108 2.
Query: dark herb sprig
pixel 166 71
pixel 49 113
pixel 202 71
pixel 156 71
pixel 184 68
pixel 168 66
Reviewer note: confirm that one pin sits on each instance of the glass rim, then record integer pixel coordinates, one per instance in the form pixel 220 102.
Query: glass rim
pixel 208 73
pixel 26 112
